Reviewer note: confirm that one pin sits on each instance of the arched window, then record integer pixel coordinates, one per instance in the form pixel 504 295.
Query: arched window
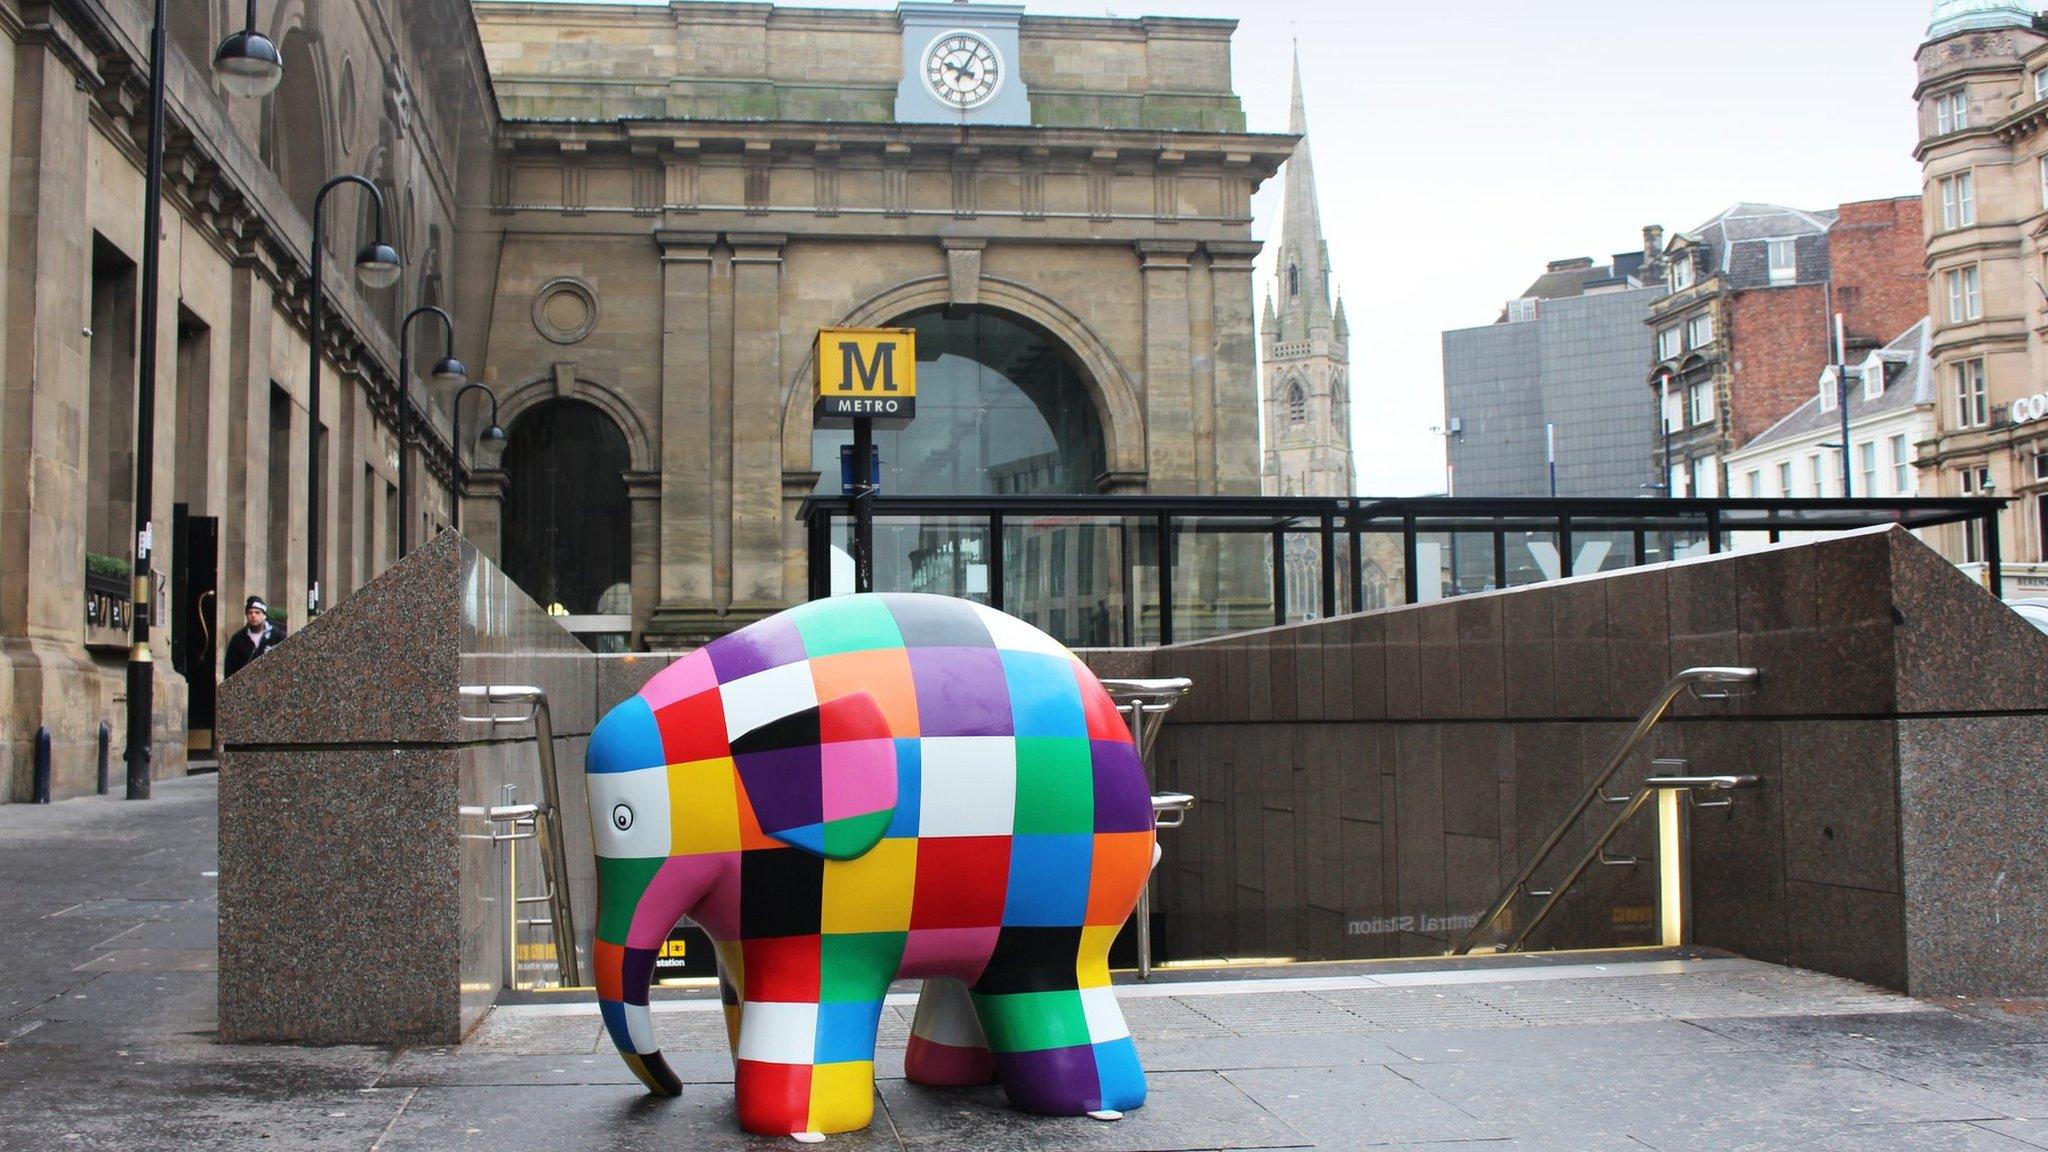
pixel 1003 408
pixel 568 531
pixel 297 144
pixel 1293 280
pixel 1297 403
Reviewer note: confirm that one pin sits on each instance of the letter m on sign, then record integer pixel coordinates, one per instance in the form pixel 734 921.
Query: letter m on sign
pixel 866 371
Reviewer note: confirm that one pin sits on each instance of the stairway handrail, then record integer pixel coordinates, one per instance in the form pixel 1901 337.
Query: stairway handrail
pixel 1690 679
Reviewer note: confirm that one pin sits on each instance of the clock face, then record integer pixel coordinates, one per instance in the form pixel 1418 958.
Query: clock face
pixel 962 70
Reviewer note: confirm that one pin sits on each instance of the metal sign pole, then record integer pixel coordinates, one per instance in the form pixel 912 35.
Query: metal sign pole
pixel 863 505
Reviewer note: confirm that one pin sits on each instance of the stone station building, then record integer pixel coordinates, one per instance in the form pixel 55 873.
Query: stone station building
pixel 639 217
pixel 685 194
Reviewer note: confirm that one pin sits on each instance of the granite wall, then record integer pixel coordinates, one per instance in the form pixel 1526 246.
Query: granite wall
pixel 357 903
pixel 1368 782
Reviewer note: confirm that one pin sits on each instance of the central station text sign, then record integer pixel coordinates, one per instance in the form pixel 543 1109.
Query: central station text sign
pixel 866 372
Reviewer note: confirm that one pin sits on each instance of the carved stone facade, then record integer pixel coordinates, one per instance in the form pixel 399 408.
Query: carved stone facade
pixel 402 100
pixel 1983 130
pixel 639 217
pixel 730 178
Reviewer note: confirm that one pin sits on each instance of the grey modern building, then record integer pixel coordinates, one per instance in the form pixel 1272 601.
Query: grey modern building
pixel 1565 359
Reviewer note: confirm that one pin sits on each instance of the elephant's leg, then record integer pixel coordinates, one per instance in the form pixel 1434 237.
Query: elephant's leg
pixel 947 1047
pixel 809 1065
pixel 1060 1043
pixel 732 982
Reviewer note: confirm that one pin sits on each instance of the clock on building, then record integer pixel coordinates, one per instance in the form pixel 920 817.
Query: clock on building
pixel 962 69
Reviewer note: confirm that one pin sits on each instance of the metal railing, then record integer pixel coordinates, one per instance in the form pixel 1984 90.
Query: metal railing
pixel 1138 570
pixel 1709 683
pixel 1145 704
pixel 541 823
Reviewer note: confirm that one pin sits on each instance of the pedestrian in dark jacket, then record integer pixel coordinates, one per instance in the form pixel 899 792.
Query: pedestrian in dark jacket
pixel 256 639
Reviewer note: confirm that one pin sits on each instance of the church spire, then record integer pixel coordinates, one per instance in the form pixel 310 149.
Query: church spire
pixel 1303 293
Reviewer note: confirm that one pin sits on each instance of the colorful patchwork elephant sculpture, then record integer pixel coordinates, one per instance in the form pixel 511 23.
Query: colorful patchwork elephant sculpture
pixel 866 788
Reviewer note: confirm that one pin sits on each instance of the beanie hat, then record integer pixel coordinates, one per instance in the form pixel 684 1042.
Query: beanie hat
pixel 257 603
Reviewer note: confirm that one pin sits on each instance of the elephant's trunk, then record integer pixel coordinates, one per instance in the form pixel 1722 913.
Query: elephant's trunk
pixel 639 902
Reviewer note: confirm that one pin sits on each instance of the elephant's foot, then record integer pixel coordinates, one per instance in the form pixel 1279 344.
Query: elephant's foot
pixel 1078 1080
pixel 804 1099
pixel 947 1048
pixel 1063 1052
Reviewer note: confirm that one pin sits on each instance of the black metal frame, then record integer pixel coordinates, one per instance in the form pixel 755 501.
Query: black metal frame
pixel 1411 517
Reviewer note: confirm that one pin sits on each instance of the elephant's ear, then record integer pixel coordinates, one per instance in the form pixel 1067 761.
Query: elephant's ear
pixel 823 779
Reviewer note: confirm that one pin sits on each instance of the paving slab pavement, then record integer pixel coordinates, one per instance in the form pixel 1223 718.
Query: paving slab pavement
pixel 107 1027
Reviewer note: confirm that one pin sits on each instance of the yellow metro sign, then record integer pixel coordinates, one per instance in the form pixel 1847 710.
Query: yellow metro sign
pixel 866 373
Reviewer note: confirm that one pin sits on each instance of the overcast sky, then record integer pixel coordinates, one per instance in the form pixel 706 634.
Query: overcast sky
pixel 1461 146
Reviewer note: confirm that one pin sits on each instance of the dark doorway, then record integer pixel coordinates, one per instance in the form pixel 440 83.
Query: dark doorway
pixel 195 622
pixel 568 526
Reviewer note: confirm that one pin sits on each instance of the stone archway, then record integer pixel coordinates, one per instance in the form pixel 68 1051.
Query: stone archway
pixel 567 530
pixel 1111 388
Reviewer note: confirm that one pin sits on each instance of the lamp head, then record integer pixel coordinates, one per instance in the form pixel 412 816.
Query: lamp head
pixel 248 64
pixel 493 435
pixel 377 265
pixel 450 371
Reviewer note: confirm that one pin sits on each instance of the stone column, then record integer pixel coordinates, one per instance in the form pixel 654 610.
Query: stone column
pixel 644 490
pixel 45 677
pixel 1169 400
pixel 683 564
pixel 245 517
pixel 1235 368
pixel 757 530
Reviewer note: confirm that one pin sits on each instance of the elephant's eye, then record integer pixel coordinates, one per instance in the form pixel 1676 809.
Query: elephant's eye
pixel 622 817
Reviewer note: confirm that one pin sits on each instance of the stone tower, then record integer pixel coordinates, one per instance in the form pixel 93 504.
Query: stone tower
pixel 1303 344
pixel 1306 380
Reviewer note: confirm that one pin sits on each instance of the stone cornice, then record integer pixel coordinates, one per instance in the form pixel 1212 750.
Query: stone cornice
pixel 1254 155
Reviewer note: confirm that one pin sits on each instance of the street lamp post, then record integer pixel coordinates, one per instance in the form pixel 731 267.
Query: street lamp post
pixel 492 434
pixel 448 371
pixel 248 65
pixel 377 266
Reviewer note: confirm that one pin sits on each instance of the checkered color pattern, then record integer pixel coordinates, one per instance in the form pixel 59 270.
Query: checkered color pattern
pixel 865 788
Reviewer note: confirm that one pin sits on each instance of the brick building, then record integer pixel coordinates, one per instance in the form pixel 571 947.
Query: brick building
pixel 1748 325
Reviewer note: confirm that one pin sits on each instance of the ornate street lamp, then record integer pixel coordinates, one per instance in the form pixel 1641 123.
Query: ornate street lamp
pixel 448 371
pixel 247 63
pixel 377 266
pixel 492 434
pixel 245 70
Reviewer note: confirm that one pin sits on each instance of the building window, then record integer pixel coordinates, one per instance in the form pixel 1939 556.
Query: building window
pixel 1682 273
pixel 1297 404
pixel 1785 478
pixel 1965 295
pixel 1699 401
pixel 1699 331
pixel 1951 111
pixel 1866 467
pixel 1829 385
pixel 1706 476
pixel 2041 85
pixel 1973 405
pixel 1976 481
pixel 1668 343
pixel 1784 260
pixel 2041 464
pixel 1902 467
pixel 1755 481
pixel 1674 408
pixel 1294 280
pixel 2043 162
pixel 1873 380
pixel 1817 473
pixel 1959 201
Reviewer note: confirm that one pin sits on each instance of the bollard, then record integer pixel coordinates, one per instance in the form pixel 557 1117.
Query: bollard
pixel 42 779
pixel 106 742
